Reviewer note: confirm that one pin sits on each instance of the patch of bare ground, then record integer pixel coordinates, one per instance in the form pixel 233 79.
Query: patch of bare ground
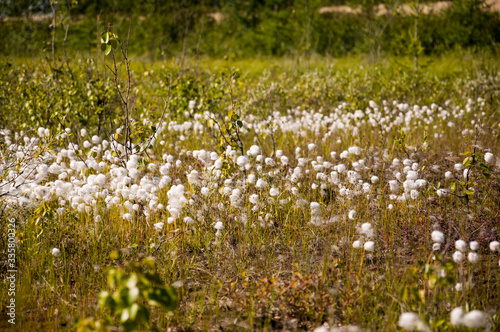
pixel 404 9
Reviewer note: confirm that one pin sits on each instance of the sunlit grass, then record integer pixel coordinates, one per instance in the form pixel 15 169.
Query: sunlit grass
pixel 270 267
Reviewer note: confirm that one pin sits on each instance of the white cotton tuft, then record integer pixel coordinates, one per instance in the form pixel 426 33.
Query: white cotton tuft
pixel 412 175
pixel 473 257
pixel 251 178
pixel 192 104
pixel 56 252
pixel 316 214
pixel 242 161
pixel 458 257
pixel 315 208
pixel 369 246
pixel 354 150
pixel 236 198
pixel 489 158
pixel 475 319
pixel 100 180
pixel 461 245
pixel 261 184
pixel 393 186
pixel 357 244
pixel 158 226
pixel 437 236
pixel 270 162
pixel 341 168
pixel 321 329
pixel 410 321
pixel 366 228
pixel 495 246
pixel 218 164
pixel 253 198
pixel 443 192
pixel 176 200
pixel 194 178
pixel 254 151
pixel 456 316
pixel 414 194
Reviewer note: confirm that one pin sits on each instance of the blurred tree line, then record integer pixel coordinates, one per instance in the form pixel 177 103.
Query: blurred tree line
pixel 245 28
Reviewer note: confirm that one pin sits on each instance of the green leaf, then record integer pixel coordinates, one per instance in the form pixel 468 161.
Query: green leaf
pixel 404 295
pixel 153 278
pixel 114 254
pixel 108 49
pixel 105 37
pixel 105 300
pixel 113 43
pixel 125 316
pixel 239 123
pixel 432 280
pixel 439 323
pixel 149 262
pixel 166 297
pixel 134 309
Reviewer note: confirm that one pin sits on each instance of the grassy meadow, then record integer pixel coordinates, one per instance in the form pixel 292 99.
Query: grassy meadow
pixel 291 193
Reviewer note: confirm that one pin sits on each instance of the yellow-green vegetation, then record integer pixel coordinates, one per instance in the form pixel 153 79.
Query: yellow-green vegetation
pixel 271 194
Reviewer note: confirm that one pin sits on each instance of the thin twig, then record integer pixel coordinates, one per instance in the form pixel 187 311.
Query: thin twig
pixel 54 11
pixel 166 101
pixel 66 28
pixel 164 240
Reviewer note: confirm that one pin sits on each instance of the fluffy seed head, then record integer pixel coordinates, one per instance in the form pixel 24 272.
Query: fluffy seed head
pixel 437 237
pixel 461 245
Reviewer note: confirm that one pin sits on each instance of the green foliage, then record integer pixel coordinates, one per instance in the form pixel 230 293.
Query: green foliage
pixel 109 41
pixel 427 288
pixel 250 28
pixel 128 294
pixel 476 174
pixel 57 101
pixel 258 277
